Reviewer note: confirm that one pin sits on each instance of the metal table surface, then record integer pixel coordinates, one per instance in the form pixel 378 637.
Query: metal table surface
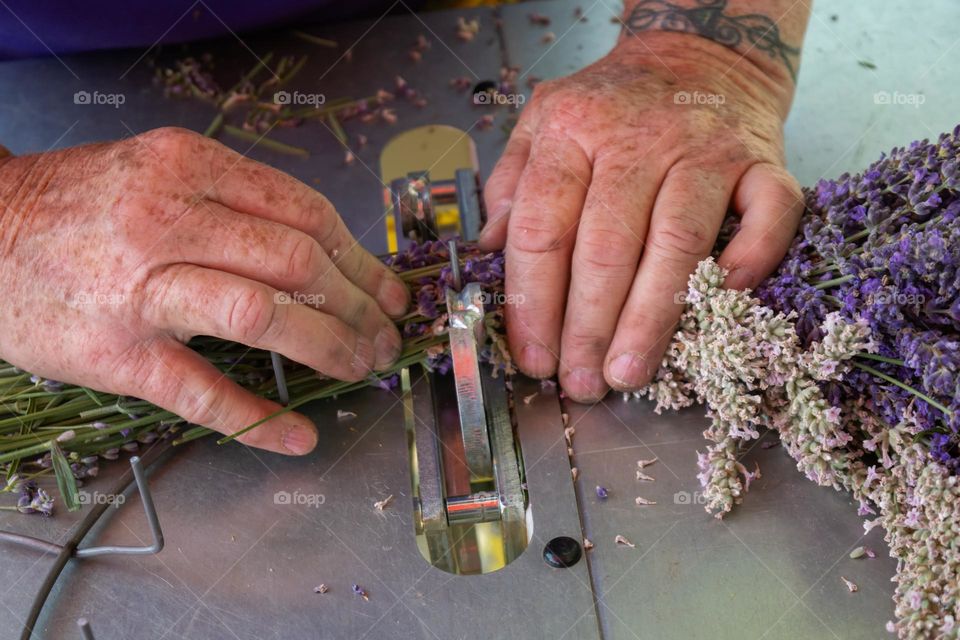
pixel 237 565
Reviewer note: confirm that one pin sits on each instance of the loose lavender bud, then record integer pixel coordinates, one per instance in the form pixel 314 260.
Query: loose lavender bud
pixel 602 493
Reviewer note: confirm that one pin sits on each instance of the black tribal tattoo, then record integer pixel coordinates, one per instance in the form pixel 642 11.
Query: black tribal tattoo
pixel 708 21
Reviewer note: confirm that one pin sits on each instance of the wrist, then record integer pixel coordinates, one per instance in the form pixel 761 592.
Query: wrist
pixel 767 34
pixel 699 61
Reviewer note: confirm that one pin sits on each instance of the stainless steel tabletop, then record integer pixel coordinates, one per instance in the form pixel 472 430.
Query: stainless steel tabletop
pixel 239 564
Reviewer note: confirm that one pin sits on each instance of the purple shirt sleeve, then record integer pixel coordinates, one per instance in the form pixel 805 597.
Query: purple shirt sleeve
pixel 30 28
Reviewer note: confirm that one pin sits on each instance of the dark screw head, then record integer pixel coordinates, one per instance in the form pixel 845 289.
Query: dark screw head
pixel 562 552
pixel 484 86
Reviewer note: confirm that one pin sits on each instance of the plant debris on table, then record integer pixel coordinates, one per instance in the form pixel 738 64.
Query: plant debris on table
pixel 260 99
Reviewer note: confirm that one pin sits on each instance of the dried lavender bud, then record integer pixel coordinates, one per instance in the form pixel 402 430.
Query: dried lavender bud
pixel 602 493
pixel 538 19
pixel 360 591
pixel 851 586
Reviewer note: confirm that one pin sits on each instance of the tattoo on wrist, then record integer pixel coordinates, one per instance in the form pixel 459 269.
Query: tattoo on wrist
pixel 708 20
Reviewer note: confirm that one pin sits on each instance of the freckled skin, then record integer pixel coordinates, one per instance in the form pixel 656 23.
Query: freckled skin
pixel 112 255
pixel 616 180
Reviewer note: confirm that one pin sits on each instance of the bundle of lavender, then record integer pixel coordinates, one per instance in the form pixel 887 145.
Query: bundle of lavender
pixel 850 352
pixel 49 429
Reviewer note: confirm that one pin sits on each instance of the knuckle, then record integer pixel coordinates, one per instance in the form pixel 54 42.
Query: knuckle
pixel 143 374
pixel 252 315
pixel 543 89
pixel 317 213
pixel 582 342
pixel 157 292
pixel 303 260
pixel 681 236
pixel 611 254
pixel 531 234
pixel 203 408
pixel 171 142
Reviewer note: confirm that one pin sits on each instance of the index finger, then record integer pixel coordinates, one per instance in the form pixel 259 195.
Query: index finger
pixel 540 236
pixel 251 187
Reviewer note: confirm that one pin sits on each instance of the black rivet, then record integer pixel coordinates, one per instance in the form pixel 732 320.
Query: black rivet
pixel 485 86
pixel 562 552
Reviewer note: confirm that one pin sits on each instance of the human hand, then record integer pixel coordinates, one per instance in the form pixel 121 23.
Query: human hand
pixel 114 255
pixel 613 187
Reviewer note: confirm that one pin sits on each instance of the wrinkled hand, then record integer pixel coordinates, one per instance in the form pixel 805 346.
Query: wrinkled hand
pixel 113 255
pixel 614 185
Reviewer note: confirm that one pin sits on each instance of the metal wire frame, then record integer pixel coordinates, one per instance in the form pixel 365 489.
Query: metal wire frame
pixel 69 549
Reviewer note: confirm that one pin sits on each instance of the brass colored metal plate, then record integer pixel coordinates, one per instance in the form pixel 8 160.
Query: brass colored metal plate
pixel 438 149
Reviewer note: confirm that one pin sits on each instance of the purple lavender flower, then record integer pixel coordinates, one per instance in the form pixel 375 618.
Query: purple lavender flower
pixel 882 245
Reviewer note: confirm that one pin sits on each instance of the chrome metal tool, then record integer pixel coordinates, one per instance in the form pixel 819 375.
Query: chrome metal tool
pixel 468 475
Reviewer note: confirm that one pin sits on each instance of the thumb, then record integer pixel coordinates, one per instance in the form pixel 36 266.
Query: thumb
pixel 174 377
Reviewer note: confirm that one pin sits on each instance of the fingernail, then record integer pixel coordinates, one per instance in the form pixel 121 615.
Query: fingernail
pixel 299 439
pixel 739 278
pixel 388 345
pixel 586 385
pixel 393 296
pixel 537 361
pixel 363 356
pixel 629 371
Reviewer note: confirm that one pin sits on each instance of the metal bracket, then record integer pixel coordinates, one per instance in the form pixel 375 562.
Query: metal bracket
pixel 64 552
pixel 152 520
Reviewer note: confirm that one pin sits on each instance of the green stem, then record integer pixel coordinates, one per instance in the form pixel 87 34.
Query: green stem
pixel 214 127
pixel 903 386
pixel 826 284
pixel 258 139
pixel 323 42
pixel 873 356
